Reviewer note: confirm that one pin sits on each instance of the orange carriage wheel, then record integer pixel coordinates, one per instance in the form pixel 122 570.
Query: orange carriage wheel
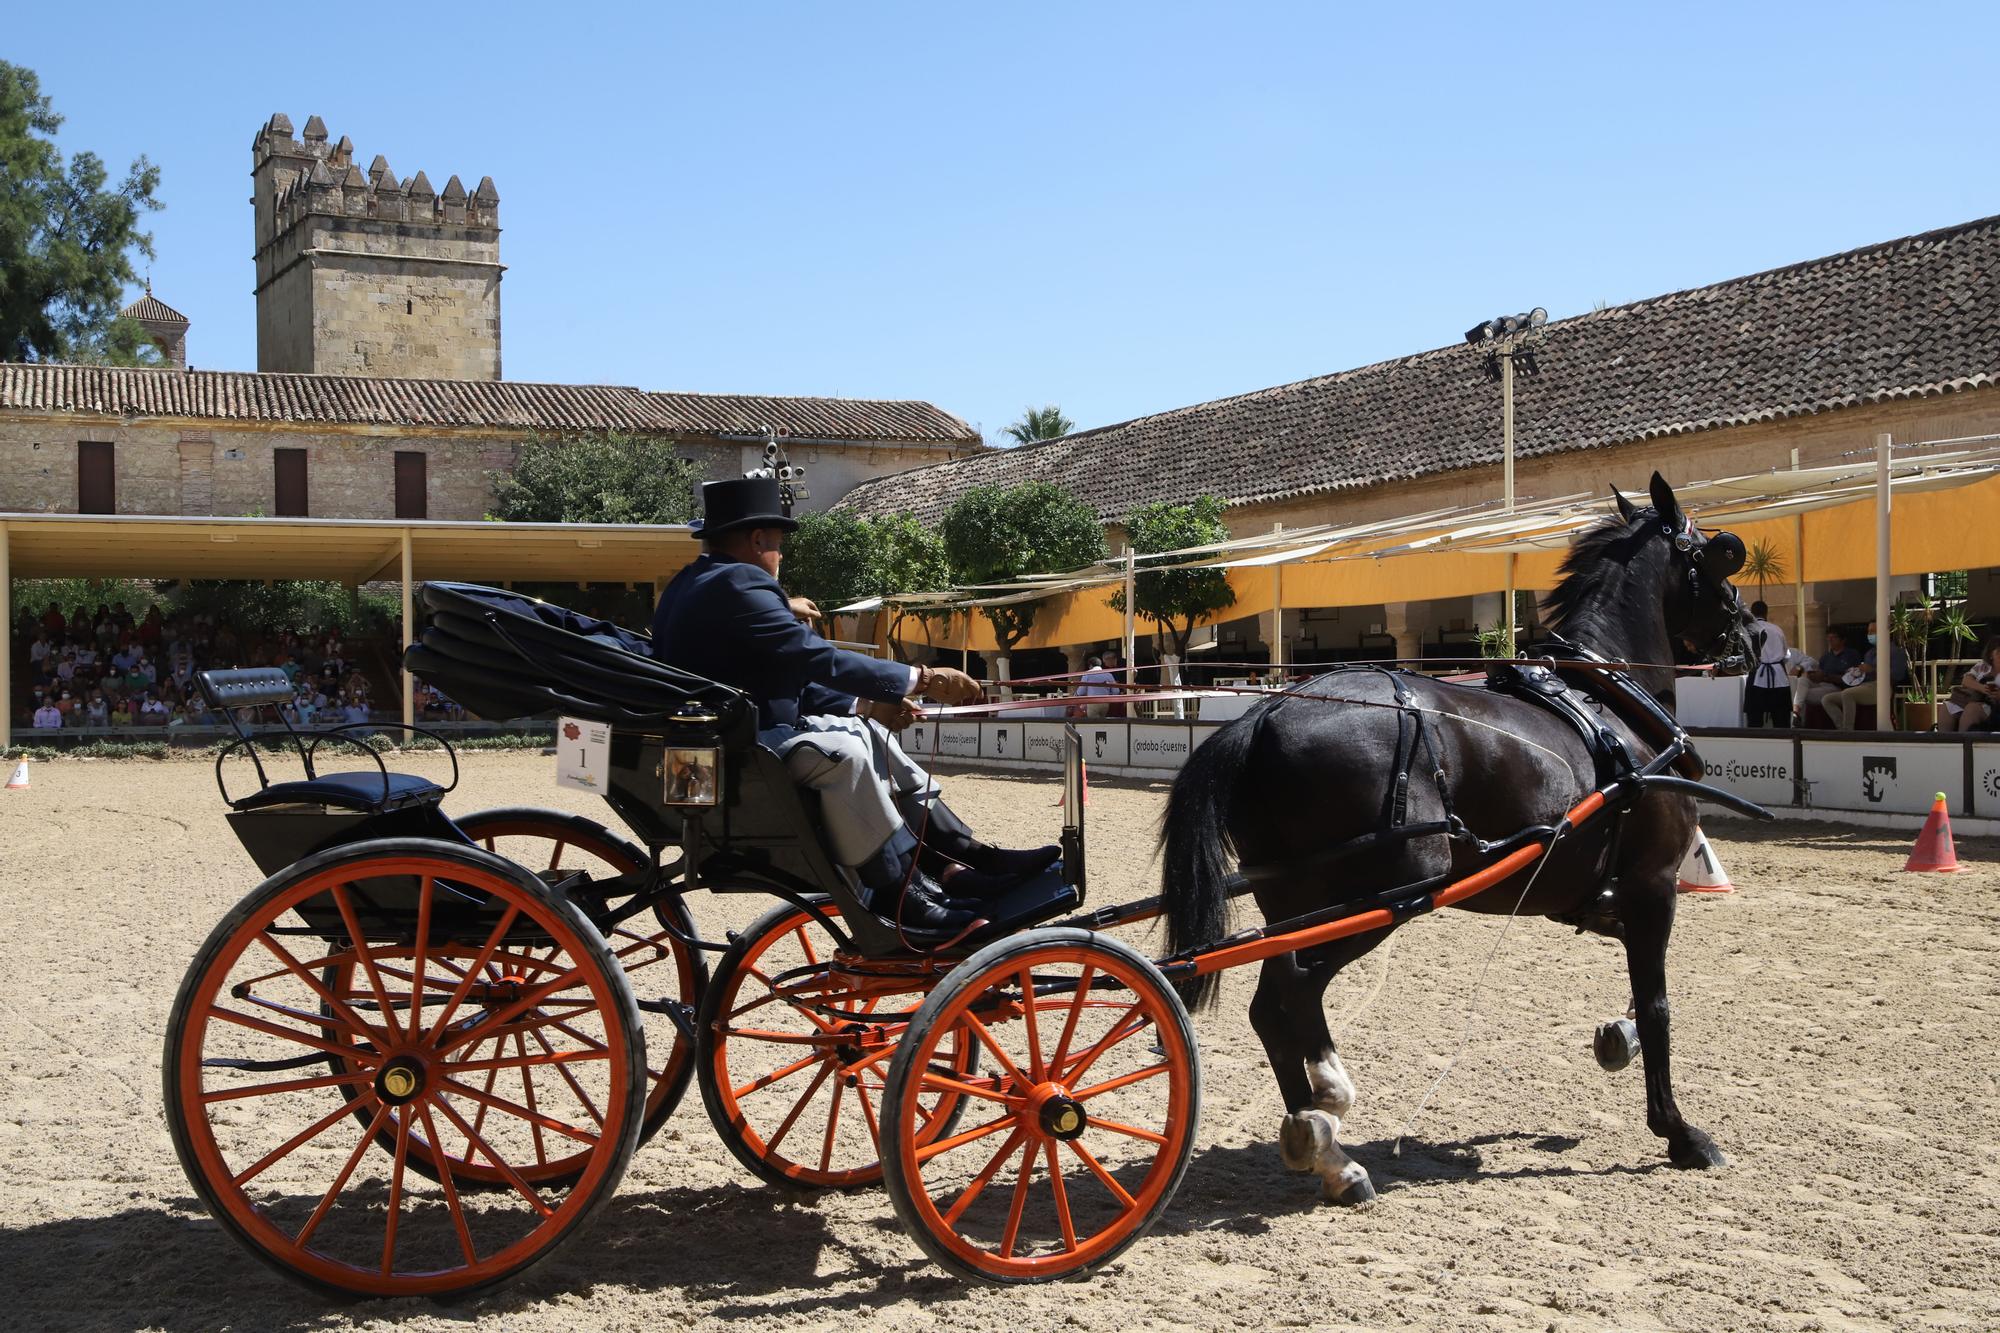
pixel 1076 1138
pixel 555 846
pixel 794 1050
pixel 265 1130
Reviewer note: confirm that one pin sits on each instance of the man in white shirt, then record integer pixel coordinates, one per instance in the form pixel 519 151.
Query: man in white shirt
pixel 1768 693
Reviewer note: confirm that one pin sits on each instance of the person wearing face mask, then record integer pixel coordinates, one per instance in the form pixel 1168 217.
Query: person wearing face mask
pixel 1842 704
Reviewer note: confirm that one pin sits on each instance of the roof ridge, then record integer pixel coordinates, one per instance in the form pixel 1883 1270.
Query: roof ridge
pixel 1407 357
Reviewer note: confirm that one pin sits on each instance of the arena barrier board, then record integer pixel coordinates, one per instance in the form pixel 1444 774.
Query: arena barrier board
pixel 1885 773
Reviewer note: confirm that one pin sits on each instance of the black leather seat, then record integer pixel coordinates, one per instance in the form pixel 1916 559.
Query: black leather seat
pixel 358 790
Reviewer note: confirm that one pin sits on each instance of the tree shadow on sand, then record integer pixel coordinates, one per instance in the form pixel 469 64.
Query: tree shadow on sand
pixel 754 1252
pixel 1241 1188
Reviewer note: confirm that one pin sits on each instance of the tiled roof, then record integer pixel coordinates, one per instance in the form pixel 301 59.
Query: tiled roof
pixel 151 308
pixel 504 404
pixel 1901 319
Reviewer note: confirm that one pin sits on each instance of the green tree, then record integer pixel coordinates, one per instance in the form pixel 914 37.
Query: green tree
pixel 910 558
pixel 1040 423
pixel 832 559
pixel 1176 599
pixel 993 534
pixel 1764 564
pixel 122 342
pixel 597 477
pixel 66 240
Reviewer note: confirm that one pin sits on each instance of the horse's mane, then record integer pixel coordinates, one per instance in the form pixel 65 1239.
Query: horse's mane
pixel 1596 564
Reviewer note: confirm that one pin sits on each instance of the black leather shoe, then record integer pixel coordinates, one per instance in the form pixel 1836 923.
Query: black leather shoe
pixel 1002 862
pixel 969 888
pixel 925 910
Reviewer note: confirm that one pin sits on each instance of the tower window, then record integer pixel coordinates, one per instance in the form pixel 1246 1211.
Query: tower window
pixel 409 307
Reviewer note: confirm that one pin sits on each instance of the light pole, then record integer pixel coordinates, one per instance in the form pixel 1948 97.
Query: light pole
pixel 1506 338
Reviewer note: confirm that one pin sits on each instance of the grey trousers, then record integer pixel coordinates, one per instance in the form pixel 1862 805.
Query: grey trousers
pixel 857 770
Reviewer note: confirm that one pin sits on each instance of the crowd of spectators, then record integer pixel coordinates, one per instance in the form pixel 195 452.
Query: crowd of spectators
pixel 111 669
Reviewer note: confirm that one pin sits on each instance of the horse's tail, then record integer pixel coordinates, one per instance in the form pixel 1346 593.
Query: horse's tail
pixel 1197 845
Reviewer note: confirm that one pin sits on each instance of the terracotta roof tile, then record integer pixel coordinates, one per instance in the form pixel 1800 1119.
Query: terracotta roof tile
pixel 503 404
pixel 1901 319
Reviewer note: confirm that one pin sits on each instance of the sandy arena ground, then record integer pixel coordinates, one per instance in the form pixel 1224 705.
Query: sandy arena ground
pixel 1834 1030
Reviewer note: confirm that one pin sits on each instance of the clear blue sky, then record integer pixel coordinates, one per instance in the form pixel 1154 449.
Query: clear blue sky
pixel 1117 208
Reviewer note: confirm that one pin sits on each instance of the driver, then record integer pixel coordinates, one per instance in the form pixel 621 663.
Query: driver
pixel 725 617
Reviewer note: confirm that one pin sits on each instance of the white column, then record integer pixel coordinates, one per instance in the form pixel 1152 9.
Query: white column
pixel 1131 610
pixel 1885 648
pixel 409 628
pixel 1277 646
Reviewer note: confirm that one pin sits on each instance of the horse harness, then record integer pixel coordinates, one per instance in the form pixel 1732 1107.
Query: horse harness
pixel 1578 688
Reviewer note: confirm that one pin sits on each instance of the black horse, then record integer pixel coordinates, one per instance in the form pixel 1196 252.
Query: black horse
pixel 1310 770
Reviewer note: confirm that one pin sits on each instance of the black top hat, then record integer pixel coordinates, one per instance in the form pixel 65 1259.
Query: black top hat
pixel 746 502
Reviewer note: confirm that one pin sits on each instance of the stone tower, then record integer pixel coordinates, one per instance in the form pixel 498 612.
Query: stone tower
pixel 360 275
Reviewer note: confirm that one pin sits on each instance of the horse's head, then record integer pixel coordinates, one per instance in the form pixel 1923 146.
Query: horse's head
pixel 1700 605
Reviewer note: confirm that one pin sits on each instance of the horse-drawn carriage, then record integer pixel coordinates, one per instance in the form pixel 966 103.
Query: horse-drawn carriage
pixel 419 1056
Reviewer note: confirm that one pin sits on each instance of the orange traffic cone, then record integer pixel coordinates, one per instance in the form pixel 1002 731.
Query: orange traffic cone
pixel 1701 869
pixel 20 778
pixel 1934 850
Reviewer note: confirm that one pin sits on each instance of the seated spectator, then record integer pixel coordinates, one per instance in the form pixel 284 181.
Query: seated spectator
pixel 150 627
pixel 353 710
pixel 86 656
pixel 1974 704
pixel 124 658
pixel 227 647
pixel 1823 677
pixel 1859 685
pixel 66 705
pixel 97 712
pixel 39 650
pixel 66 665
pixel 48 717
pixel 121 713
pixel 154 709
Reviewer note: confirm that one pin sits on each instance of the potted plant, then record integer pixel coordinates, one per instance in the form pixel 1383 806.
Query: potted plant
pixel 1910 630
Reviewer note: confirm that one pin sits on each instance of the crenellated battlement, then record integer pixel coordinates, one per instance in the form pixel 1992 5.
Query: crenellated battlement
pixel 308 175
pixel 359 272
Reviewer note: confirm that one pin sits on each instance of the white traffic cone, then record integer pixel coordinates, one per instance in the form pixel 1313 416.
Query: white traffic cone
pixel 1701 870
pixel 20 778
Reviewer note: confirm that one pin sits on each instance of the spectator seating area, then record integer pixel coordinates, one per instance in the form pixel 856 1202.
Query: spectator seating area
pixel 113 670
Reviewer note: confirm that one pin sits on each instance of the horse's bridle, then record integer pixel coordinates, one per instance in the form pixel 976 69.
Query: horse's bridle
pixel 1717 557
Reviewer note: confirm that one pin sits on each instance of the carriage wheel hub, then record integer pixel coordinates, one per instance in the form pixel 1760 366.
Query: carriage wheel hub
pixel 1057 1115
pixel 399 1081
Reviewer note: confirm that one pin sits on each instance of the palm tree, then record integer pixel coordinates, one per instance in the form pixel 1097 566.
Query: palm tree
pixel 1763 562
pixel 1040 423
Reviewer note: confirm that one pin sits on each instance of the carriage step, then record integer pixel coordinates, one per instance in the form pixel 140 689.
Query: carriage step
pixel 681 1014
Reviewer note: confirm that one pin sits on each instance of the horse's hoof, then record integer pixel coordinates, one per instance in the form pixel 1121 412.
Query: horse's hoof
pixel 1615 1045
pixel 1350 1187
pixel 1298 1142
pixel 1696 1152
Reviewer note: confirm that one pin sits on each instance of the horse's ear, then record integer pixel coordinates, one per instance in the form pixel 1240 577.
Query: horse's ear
pixel 1664 504
pixel 1625 509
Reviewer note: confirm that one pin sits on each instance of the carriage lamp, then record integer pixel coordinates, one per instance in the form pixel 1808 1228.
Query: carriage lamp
pixel 693 775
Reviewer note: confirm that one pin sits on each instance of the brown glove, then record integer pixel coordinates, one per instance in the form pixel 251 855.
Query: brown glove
pixel 947 685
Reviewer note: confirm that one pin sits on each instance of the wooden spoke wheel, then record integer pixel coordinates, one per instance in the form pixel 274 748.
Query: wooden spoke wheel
pixel 793 1053
pixel 1080 1133
pixel 663 970
pixel 266 1133
pixel 555 846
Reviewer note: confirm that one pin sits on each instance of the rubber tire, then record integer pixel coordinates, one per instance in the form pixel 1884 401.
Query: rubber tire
pixel 947 992
pixel 177 1125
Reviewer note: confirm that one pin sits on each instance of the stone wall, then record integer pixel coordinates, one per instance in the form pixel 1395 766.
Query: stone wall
pixel 215 469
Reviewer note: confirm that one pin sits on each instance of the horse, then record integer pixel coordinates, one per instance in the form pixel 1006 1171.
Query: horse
pixel 1299 775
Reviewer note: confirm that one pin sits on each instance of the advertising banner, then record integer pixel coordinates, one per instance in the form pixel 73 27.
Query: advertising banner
pixel 1885 777
pixel 1986 781
pixel 1003 738
pixel 958 740
pixel 1758 769
pixel 1044 743
pixel 1161 747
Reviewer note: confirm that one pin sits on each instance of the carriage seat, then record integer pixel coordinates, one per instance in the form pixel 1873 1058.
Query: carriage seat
pixel 356 790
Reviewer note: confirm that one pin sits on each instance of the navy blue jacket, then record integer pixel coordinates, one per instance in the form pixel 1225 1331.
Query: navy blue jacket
pixel 730 622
